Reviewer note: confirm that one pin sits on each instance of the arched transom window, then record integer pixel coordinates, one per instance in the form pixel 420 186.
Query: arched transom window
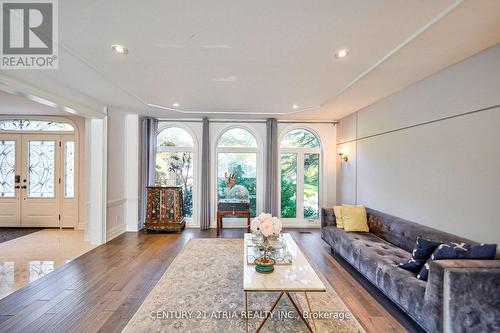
pixel 300 153
pixel 25 125
pixel 174 162
pixel 237 156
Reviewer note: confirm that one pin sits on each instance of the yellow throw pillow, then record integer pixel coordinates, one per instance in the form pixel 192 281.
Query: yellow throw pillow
pixel 354 218
pixel 337 211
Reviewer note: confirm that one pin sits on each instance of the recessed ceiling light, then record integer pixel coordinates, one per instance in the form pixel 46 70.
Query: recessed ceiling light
pixel 175 105
pixel 341 53
pixel 120 49
pixel 295 106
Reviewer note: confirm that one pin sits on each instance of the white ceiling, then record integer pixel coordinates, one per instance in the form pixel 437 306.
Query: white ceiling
pixel 254 59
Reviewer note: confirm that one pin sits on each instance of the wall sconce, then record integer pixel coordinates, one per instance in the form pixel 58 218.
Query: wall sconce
pixel 343 156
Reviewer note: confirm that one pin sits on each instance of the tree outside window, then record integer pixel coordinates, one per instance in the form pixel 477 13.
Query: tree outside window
pixel 237 154
pixel 174 163
pixel 300 165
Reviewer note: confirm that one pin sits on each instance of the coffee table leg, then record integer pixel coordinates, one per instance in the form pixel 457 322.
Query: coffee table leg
pixel 300 313
pixel 246 312
pixel 310 312
pixel 218 225
pixel 248 223
pixel 271 311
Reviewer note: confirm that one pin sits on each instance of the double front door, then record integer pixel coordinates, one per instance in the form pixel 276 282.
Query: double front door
pixel 37 180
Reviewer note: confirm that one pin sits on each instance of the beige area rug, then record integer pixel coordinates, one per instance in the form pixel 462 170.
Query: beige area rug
pixel 202 291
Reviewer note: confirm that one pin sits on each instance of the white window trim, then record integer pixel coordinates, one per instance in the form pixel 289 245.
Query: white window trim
pixel 171 149
pixel 196 160
pixel 299 218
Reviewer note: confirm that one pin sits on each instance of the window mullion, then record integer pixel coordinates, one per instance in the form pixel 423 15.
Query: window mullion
pixel 300 185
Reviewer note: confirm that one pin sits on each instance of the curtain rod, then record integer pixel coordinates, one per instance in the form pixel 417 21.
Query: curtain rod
pixel 334 122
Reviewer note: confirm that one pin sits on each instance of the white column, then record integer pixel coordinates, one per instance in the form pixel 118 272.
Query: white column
pixel 132 172
pixel 96 136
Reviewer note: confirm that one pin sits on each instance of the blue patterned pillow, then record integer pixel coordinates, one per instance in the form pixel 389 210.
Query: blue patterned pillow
pixel 422 251
pixel 458 251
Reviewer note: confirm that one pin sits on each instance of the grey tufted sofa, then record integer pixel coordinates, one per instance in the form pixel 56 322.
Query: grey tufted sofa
pixel 459 296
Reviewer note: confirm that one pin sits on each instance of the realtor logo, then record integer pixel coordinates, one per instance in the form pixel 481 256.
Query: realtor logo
pixel 29 34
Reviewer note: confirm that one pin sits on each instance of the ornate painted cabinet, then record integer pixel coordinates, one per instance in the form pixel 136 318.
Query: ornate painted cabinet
pixel 165 209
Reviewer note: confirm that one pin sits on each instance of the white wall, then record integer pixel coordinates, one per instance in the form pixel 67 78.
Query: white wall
pixel 123 173
pixel 421 154
pixel 132 172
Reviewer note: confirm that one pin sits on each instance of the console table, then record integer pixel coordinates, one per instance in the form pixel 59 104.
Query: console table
pixel 222 213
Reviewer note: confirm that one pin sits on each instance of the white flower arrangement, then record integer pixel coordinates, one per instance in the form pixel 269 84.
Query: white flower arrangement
pixel 266 225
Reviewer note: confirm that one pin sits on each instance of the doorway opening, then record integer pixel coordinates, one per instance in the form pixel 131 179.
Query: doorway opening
pixel 39 192
pixel 38 173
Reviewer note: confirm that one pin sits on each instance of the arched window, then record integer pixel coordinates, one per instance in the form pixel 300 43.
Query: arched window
pixel 174 162
pixel 300 153
pixel 237 155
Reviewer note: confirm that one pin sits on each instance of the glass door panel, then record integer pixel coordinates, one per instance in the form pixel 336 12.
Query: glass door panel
pixel 38 180
pixel 41 169
pixel 69 182
pixel 41 189
pixel 69 169
pixel 10 171
pixel 244 167
pixel 288 185
pixel 7 168
pixel 177 166
pixel 311 186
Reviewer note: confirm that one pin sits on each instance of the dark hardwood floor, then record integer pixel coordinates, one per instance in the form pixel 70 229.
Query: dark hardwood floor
pixel 102 289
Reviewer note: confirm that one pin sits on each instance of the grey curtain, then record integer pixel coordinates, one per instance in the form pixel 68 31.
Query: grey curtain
pixel 271 193
pixel 205 177
pixel 149 127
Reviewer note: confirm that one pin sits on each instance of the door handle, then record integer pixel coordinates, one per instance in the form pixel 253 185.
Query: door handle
pixel 17 187
pixel 24 186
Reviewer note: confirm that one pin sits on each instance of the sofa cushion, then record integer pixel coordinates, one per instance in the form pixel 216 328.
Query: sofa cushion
pixel 354 218
pixel 420 254
pixel 458 251
pixel 378 261
pixel 343 243
pixel 403 233
pixel 338 216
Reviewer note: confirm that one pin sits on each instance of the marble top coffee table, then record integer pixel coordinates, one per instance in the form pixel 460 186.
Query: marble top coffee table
pixel 286 279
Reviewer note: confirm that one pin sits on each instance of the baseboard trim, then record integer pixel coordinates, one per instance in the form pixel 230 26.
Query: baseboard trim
pixel 132 228
pixel 115 232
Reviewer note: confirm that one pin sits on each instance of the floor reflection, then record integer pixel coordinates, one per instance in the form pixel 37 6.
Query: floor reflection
pixel 28 258
pixel 38 269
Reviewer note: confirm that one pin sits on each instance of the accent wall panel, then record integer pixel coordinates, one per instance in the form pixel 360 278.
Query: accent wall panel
pixel 444 175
